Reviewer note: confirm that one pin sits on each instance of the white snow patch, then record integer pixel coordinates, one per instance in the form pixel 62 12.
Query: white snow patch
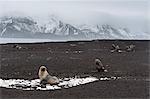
pixel 17 27
pixel 7 21
pixel 35 84
pixel 3 31
pixel 23 84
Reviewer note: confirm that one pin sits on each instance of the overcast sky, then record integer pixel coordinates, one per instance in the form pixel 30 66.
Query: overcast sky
pixel 132 14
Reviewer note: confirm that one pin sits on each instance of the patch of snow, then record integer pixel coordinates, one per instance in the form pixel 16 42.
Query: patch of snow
pixel 17 27
pixel 124 33
pixel 35 84
pixel 7 21
pixel 3 31
pixel 113 34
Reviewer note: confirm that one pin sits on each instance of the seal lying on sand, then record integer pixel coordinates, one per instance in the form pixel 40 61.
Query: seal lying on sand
pixel 99 66
pixel 45 78
pixel 130 48
pixel 116 48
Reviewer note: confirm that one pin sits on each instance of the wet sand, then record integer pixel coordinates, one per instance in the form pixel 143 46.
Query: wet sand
pixel 68 59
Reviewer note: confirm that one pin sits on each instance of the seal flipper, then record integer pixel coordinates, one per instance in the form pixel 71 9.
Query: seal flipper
pixel 43 83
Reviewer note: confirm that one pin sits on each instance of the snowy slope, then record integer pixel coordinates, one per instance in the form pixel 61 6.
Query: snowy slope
pixel 57 27
pixel 26 27
pixel 21 25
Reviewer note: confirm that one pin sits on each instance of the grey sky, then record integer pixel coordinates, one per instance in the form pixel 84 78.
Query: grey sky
pixel 132 14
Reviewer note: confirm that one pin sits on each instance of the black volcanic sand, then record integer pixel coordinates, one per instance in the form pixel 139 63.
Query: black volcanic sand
pixel 67 59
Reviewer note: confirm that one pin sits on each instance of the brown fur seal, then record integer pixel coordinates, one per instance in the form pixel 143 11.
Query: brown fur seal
pixel 99 66
pixel 130 48
pixel 116 48
pixel 45 77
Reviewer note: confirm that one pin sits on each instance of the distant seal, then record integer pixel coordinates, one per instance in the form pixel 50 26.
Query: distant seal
pixel 17 46
pixel 45 78
pixel 116 48
pixel 99 66
pixel 130 48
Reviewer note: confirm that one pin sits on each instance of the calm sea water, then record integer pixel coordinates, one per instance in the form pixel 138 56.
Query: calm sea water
pixel 25 40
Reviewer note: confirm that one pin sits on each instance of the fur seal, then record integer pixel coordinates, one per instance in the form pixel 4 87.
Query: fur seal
pixel 116 48
pixel 45 78
pixel 99 66
pixel 130 48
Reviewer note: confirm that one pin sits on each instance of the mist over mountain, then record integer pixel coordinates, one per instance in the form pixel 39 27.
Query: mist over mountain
pixel 55 28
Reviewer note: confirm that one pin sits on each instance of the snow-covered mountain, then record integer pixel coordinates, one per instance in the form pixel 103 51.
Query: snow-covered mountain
pixel 55 28
pixel 105 31
pixel 18 26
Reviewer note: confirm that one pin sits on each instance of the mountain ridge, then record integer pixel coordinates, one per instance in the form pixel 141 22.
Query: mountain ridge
pixel 26 27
